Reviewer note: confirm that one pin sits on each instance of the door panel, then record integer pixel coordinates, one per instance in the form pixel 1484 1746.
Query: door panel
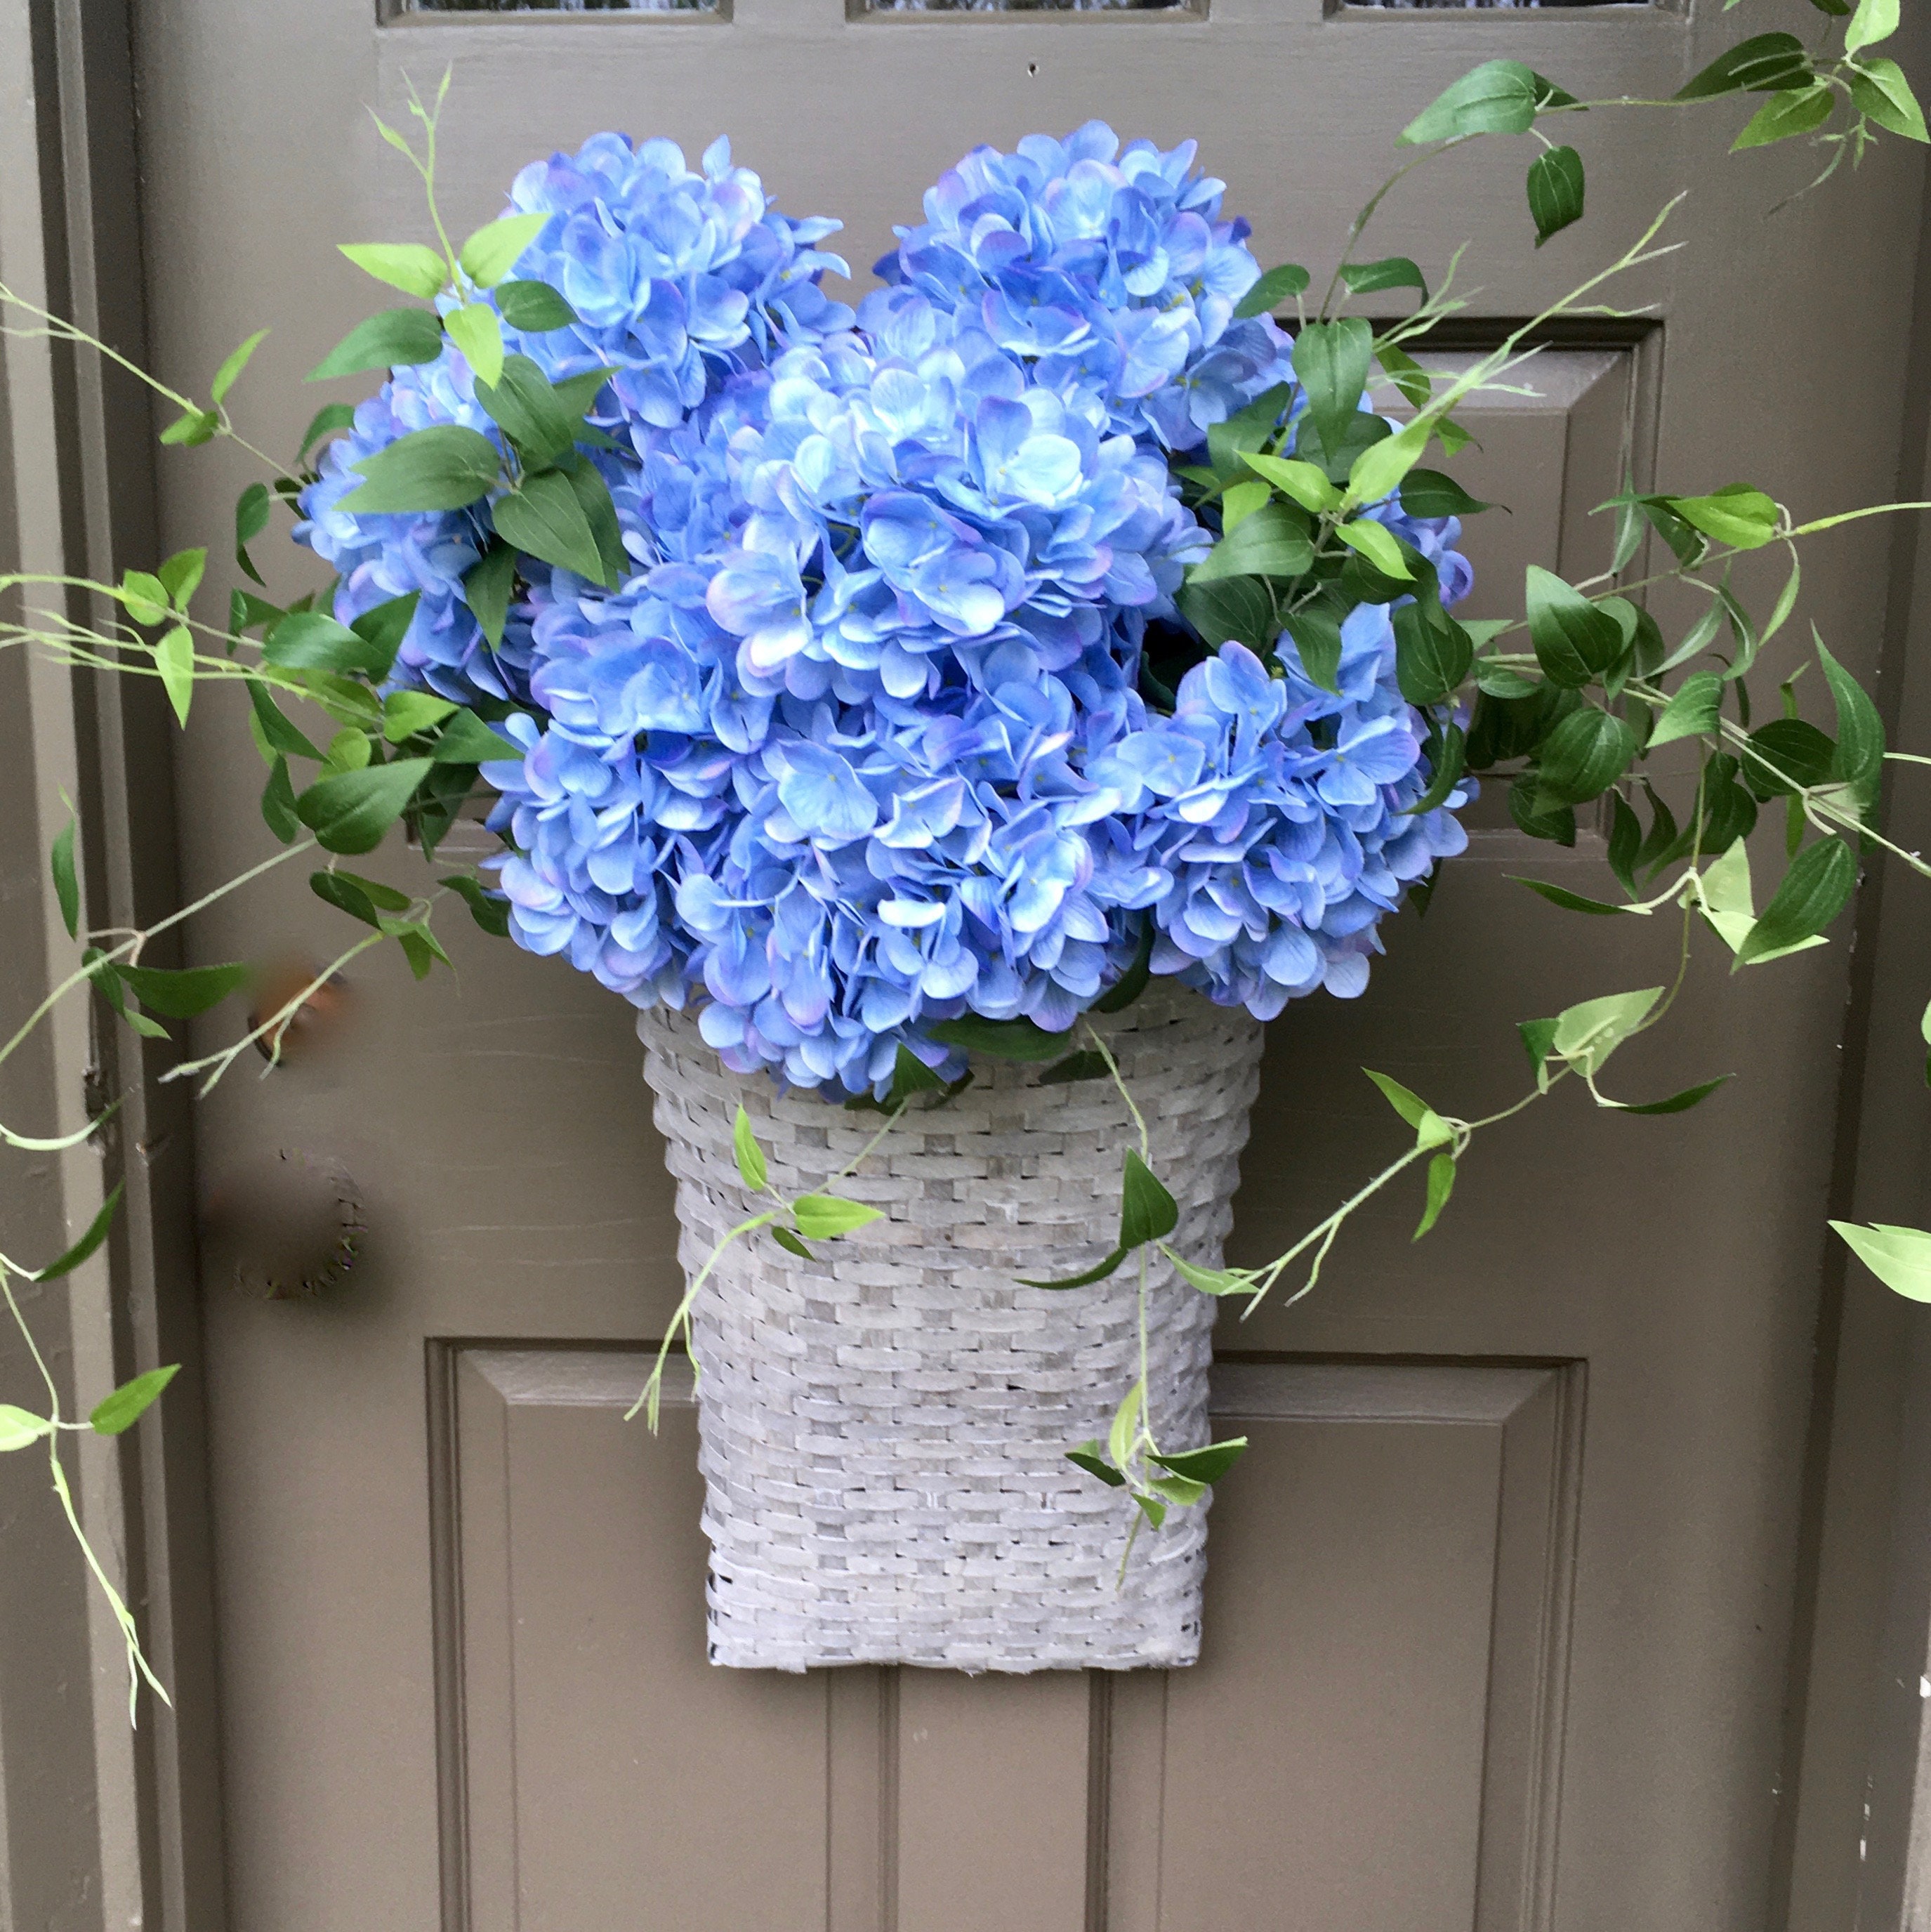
pixel 461 1640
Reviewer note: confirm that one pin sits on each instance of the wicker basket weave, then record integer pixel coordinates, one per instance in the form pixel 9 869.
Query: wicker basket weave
pixel 883 1430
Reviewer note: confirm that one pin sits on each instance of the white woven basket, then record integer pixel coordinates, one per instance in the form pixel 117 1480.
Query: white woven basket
pixel 883 1430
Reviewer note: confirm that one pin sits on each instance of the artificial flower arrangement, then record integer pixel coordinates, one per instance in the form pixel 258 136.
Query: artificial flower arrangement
pixel 976 707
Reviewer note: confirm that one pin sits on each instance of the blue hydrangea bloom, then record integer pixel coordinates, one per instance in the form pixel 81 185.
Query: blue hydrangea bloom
pixel 860 744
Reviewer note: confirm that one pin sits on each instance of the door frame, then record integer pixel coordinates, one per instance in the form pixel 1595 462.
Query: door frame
pixel 105 1826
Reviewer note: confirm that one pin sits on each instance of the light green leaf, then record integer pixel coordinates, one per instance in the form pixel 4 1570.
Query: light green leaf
pixel 406 265
pixel 225 377
pixel 1783 117
pixel 1121 1437
pixel 1393 271
pixel 1441 1185
pixel 1377 471
pixel 407 712
pixel 1874 20
pixel 476 331
pixel 1691 712
pixel 192 428
pixel 1498 98
pixel 1586 1034
pixel 1205 1465
pixel 751 1167
pixel 1735 515
pixel 1240 501
pixel 174 658
pixel 1180 1491
pixel 1376 542
pixel 1211 1281
pixel 490 254
pixel 1331 360
pixel 182 575
pixel 1900 1258
pixel 146 596
pixel 20 1428
pixel 1881 90
pixel 1304 484
pixel 1430 1130
pixel 116 1413
pixel 821 1217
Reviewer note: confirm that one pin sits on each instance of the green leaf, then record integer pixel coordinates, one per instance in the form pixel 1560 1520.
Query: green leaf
pixel 445 467
pixel 1376 542
pixel 1433 654
pixel 1558 825
pixel 1677 1103
pixel 192 428
pixel 1735 515
pixel 1874 20
pixel 581 392
pixel 1691 712
pixel 487 585
pixel 96 1233
pixel 790 1243
pixel 1211 1281
pixel 1239 502
pixel 1331 360
pixel 116 1413
pixel 1393 271
pixel 1498 97
pixel 398 338
pixel 406 265
pixel 351 811
pixel 821 1217
pixel 385 624
pixel 1769 63
pixel 1180 1491
pixel 1276 286
pixel 477 332
pixel 1441 1185
pixel 1561 896
pixel 1447 751
pixel 1538 1042
pixel 1147 1212
pixel 1582 757
pixel 1575 639
pixel 1790 754
pixel 1269 543
pixel 1900 1258
pixel 1586 1034
pixel 407 712
pixel 1859 762
pixel 544 517
pixel 181 994
pixel 181 576
pixel 20 1428
pixel 491 913
pixel 1555 191
pixel 1415 383
pixel 1784 116
pixel 1152 1507
pixel 1205 1465
pixel 1428 493
pixel 146 596
pixel 600 511
pixel 1625 841
pixel 1430 1130
pixel 1880 91
pixel 533 308
pixel 1377 471
pixel 1005 1039
pixel 1132 982
pixel 1314 630
pixel 67 885
pixel 226 376
pixel 1087 1065
pixel 1124 1431
pixel 1090 1457
pixel 1302 482
pixel 491 252
pixel 1503 680
pixel 251 518
pixel 1098 1273
pixel 278 802
pixel 327 420
pixel 751 1168
pixel 420 946
pixel 467 740
pixel 174 658
pixel 346 892
pixel 1820 880
pixel 306 641
pixel 528 410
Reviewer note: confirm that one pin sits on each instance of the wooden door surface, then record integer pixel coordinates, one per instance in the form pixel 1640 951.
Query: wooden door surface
pixel 1498 1607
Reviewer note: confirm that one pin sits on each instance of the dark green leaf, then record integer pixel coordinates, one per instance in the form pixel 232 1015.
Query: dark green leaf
pixel 491 912
pixel 180 995
pixel 1098 1273
pixel 1273 542
pixel 1558 826
pixel 1768 63
pixel 1561 896
pixel 593 497
pixel 1314 630
pixel 1691 712
pixel 1005 1039
pixel 1433 654
pixel 1626 839
pixel 1085 1065
pixel 467 740
pixel 487 587
pixel 396 339
pixel 351 811
pixel 533 308
pixel 1206 1465
pixel 344 892
pixel 1147 1212
pixel 1428 493
pixel 1575 641
pixel 329 420
pixel 1441 1185
pixel 96 1233
pixel 385 624
pixel 278 802
pixel 1555 191
pixel 306 641
pixel 1132 982
pixel 1233 608
pixel 1859 763
pixel 1812 894
pixel 579 393
pixel 544 517
pixel 66 884
pixel 1678 1103
pixel 1447 753
pixel 529 411
pixel 1582 757
pixel 1789 754
pixel 790 1243
pixel 1500 97
pixel 1090 1457
pixel 276 732
pixel 1395 271
pixel 1505 681
pixel 1331 360
pixel 118 1412
pixel 446 467
pixel 1538 1037
pixel 251 519
pixel 1276 286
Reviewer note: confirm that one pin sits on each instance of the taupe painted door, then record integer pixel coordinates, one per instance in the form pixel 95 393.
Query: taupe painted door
pixel 1499 1605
